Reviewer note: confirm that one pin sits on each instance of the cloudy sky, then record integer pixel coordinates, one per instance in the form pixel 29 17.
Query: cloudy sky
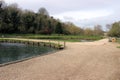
pixel 83 13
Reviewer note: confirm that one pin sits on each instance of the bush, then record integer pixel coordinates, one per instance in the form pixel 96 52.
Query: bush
pixel 115 30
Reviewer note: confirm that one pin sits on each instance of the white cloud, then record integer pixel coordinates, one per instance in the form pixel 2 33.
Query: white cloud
pixel 81 15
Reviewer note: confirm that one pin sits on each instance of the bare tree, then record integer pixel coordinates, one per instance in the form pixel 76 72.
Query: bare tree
pixel 43 11
pixel 98 30
pixel 108 27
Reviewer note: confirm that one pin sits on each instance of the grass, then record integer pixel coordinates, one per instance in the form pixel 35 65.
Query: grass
pixel 118 40
pixel 118 46
pixel 55 45
pixel 69 38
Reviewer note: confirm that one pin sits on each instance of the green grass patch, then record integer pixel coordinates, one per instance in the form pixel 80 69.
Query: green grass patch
pixel 55 45
pixel 70 38
pixel 118 40
pixel 118 46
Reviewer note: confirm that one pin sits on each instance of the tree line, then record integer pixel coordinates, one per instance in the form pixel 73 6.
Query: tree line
pixel 15 20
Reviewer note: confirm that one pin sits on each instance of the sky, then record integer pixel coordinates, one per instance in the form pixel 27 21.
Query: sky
pixel 83 13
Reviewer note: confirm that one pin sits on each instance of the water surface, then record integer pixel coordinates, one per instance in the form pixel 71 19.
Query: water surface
pixel 17 51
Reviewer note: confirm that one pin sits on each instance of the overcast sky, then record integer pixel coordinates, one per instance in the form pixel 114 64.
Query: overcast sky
pixel 81 12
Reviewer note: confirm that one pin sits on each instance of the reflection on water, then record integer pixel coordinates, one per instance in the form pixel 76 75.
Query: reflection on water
pixel 15 51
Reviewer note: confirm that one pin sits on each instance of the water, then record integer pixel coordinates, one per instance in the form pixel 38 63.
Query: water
pixel 86 40
pixel 16 51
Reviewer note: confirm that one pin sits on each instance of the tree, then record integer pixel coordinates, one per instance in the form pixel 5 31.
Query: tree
pixel 59 29
pixel 70 28
pixel 28 21
pixel 14 17
pixel 98 30
pixel 43 11
pixel 115 30
pixel 15 20
pixel 2 4
pixel 108 27
pixel 88 31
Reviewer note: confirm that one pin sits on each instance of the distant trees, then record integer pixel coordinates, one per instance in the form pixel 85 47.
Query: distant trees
pixel 43 11
pixel 115 30
pixel 108 27
pixel 2 4
pixel 28 21
pixel 88 31
pixel 72 29
pixel 59 29
pixel 98 30
pixel 16 20
pixel 10 19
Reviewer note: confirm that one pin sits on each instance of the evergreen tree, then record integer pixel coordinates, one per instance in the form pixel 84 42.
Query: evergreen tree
pixel 59 29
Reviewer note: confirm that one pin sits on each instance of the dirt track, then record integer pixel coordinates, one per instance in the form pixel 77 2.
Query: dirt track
pixel 98 60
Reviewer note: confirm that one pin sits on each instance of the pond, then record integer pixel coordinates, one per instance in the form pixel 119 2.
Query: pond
pixel 18 51
pixel 86 40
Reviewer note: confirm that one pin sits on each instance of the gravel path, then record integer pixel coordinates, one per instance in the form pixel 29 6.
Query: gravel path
pixel 99 60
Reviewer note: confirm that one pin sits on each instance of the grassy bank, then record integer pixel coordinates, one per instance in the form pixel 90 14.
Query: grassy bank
pixel 118 40
pixel 71 38
pixel 32 42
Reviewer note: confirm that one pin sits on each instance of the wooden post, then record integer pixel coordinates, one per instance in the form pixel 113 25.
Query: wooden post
pixel 33 43
pixel 37 43
pixel 44 43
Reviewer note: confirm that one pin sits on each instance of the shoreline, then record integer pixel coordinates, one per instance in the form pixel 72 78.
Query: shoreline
pixel 99 60
pixel 21 60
